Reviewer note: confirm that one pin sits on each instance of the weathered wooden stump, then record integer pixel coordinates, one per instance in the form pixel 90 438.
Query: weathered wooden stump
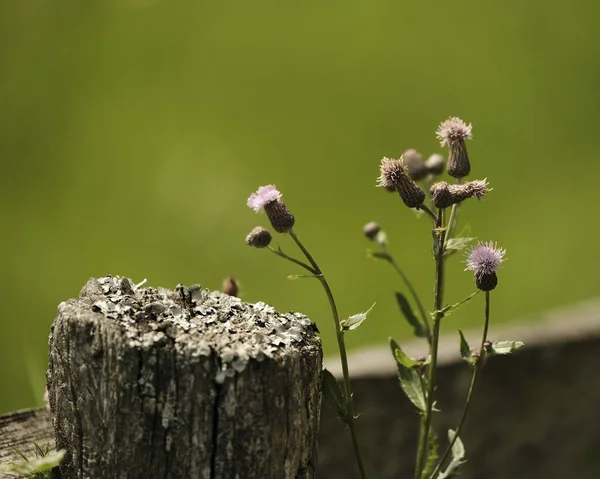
pixel 149 382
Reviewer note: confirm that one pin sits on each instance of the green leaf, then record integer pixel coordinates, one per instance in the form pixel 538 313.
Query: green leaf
pixel 403 359
pixel 294 277
pixel 456 244
pixel 505 347
pixel 418 328
pixel 447 310
pixel 458 457
pixel 354 321
pixel 432 454
pixel 436 242
pixel 333 395
pixel 38 465
pixel 410 381
pixel 378 255
pixel 465 349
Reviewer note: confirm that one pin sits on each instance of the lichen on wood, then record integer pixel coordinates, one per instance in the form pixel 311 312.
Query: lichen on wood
pixel 151 382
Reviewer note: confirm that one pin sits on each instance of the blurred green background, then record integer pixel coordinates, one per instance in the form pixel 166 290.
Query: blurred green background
pixel 133 131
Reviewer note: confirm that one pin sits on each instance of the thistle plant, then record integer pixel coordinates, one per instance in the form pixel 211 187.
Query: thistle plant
pixel 440 201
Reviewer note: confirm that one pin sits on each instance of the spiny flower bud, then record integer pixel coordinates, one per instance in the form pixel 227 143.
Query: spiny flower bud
pixel 484 259
pixel 371 230
pixel 259 237
pixel 268 198
pixel 393 175
pixel 435 164
pixel 230 286
pixel 453 133
pixel 414 164
pixel 440 193
pixel 445 195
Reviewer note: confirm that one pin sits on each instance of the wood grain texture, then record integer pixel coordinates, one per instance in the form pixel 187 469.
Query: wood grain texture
pixel 150 382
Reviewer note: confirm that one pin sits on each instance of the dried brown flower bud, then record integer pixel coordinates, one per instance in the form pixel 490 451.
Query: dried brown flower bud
pixel 440 192
pixel 435 164
pixel 371 229
pixel 445 195
pixel 230 286
pixel 259 237
pixel 453 133
pixel 414 164
pixel 393 175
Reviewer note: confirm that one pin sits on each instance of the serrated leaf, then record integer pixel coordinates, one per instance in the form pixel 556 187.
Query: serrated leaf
pixel 458 457
pixel 505 347
pixel 456 244
pixel 410 381
pixel 447 310
pixel 432 454
pixel 403 359
pixel 333 395
pixel 378 255
pixel 465 349
pixel 354 321
pixel 37 465
pixel 418 328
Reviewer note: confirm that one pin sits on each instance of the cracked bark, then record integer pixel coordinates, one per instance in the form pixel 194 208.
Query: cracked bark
pixel 149 382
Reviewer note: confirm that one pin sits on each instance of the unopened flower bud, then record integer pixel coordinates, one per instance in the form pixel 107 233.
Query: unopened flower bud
pixel 393 175
pixel 440 193
pixel 230 286
pixel 453 133
pixel 445 195
pixel 371 230
pixel 259 237
pixel 268 198
pixel 484 259
pixel 435 164
pixel 414 165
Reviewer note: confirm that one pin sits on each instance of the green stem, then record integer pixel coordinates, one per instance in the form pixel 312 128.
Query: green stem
pixel 293 260
pixel 453 215
pixel 342 348
pixel 471 388
pixel 410 287
pixel 428 211
pixel 438 298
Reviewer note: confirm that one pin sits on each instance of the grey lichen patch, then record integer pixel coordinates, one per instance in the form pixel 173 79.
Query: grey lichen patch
pixel 197 321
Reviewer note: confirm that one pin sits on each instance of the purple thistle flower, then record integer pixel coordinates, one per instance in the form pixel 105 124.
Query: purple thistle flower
pixel 268 198
pixel 263 196
pixel 453 129
pixel 484 259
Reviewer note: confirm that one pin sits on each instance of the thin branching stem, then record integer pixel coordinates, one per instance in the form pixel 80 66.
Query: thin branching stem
pixel 342 349
pixel 423 445
pixel 278 252
pixel 471 388
pixel 410 287
pixel 429 212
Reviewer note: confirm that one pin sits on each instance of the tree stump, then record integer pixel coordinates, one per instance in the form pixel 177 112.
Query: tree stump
pixel 150 382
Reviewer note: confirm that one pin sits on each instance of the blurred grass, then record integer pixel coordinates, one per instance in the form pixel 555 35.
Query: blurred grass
pixel 132 132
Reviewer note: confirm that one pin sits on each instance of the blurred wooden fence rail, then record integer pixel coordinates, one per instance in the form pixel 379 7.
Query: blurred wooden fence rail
pixel 150 382
pixel 536 413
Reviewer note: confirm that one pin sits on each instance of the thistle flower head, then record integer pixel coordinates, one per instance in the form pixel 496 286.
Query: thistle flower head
pixel 391 170
pixel 414 165
pixel 394 177
pixel 371 230
pixel 263 196
pixel 484 259
pixel 452 130
pixel 435 164
pixel 259 237
pixel 268 198
pixel 477 188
